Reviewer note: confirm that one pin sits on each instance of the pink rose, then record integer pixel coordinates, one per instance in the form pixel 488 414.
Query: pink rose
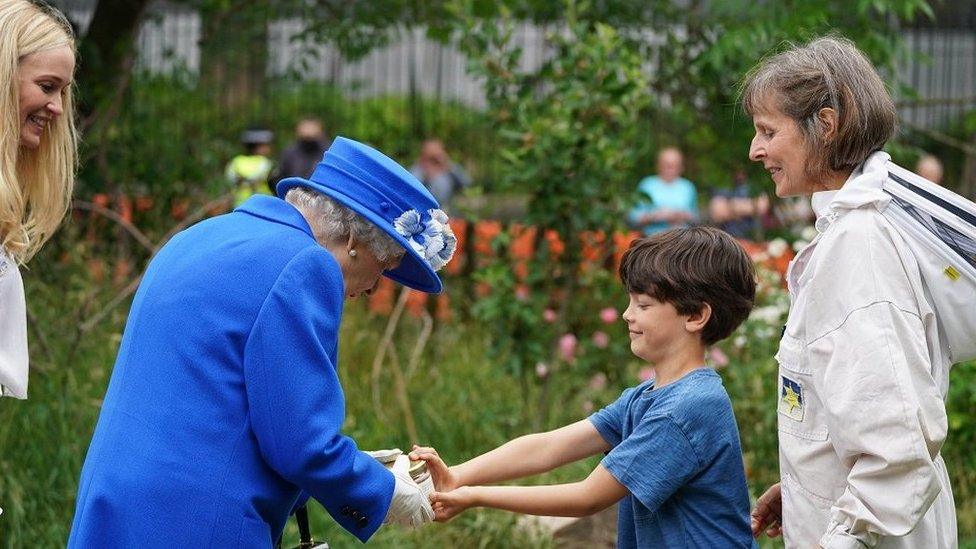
pixel 598 382
pixel 549 316
pixel 646 373
pixel 609 315
pixel 567 347
pixel 601 340
pixel 719 358
pixel 522 292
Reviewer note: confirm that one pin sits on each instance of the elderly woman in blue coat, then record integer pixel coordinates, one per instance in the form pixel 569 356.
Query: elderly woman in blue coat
pixel 225 410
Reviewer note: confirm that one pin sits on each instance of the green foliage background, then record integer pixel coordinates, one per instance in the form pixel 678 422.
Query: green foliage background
pixel 573 138
pixel 463 402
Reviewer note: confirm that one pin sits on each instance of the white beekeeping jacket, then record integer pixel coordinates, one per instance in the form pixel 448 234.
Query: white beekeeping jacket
pixel 13 330
pixel 863 375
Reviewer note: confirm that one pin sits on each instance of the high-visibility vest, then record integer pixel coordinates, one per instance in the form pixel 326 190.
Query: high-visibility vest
pixel 249 175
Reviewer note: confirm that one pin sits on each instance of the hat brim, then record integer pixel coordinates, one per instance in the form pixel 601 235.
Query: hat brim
pixel 413 271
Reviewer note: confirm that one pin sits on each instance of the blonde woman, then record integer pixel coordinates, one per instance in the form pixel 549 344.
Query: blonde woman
pixel 37 160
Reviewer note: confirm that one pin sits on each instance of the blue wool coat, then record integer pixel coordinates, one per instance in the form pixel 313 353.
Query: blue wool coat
pixel 225 404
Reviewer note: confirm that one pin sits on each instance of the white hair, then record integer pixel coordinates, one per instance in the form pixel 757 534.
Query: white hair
pixel 333 222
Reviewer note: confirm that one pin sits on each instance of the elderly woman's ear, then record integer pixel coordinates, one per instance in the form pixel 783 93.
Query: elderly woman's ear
pixel 828 121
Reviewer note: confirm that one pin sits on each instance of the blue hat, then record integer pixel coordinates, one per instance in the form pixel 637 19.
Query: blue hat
pixel 380 190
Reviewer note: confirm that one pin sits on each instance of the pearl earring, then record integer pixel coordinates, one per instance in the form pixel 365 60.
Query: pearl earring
pixel 352 253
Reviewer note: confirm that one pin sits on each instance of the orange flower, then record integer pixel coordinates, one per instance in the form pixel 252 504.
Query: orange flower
pixel 460 228
pixel 622 241
pixel 381 300
pixel 556 246
pixel 443 311
pixel 523 241
pixel 485 233
pixel 592 243
pixel 416 301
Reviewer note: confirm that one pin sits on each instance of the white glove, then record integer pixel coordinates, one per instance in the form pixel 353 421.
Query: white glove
pixel 386 457
pixel 409 507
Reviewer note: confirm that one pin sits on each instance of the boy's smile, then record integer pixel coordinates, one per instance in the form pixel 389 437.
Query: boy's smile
pixel 655 328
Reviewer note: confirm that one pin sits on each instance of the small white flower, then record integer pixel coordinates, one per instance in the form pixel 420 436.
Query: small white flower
pixel 417 247
pixel 408 224
pixel 447 252
pixel 777 247
pixel 438 216
pixel 769 314
pixel 808 233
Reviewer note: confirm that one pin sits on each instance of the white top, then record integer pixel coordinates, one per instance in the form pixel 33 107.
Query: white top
pixel 862 381
pixel 13 330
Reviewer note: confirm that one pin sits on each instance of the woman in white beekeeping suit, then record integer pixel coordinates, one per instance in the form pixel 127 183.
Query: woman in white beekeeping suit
pixel 863 371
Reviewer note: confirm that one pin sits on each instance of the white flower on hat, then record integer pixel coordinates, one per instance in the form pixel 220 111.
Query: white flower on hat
pixel 432 238
pixel 408 224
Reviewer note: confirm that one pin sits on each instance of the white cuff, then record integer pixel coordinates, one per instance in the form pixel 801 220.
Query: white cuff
pixel 837 537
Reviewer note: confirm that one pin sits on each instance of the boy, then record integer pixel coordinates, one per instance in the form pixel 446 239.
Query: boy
pixel 673 459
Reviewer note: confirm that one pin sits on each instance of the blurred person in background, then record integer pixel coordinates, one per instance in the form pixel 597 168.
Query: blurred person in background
pixel 37 170
pixel 863 369
pixel 737 211
pixel 300 157
pixel 930 168
pixel 667 199
pixel 438 173
pixel 249 173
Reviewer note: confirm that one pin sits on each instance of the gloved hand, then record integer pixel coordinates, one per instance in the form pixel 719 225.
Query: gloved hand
pixel 409 506
pixel 384 456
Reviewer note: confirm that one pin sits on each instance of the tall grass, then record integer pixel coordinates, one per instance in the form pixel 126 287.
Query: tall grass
pixel 462 403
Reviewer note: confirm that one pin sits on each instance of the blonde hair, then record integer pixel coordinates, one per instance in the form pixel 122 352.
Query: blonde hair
pixel 35 184
pixel 831 73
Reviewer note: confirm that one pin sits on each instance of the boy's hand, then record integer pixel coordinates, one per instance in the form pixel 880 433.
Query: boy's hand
pixel 444 477
pixel 448 504
pixel 768 513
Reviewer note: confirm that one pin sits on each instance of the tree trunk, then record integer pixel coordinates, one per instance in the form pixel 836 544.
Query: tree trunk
pixel 107 54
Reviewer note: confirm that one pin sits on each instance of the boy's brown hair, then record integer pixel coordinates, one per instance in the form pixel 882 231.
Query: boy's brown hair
pixel 690 267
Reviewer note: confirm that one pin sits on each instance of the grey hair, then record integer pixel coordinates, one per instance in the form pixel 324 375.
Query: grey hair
pixel 331 222
pixel 831 73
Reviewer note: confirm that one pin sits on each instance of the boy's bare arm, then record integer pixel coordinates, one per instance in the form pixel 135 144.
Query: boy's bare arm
pixel 522 457
pixel 592 495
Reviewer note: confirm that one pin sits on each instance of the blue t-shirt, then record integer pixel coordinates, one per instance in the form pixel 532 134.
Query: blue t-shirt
pixel 676 449
pixel 679 194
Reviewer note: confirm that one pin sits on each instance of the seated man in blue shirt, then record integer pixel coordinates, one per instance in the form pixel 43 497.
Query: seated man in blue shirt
pixel 673 458
pixel 667 199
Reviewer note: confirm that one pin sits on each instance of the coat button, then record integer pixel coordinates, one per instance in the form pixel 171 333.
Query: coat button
pixel 363 522
pixel 345 510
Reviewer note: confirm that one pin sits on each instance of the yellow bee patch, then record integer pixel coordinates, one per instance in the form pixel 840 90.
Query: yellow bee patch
pixel 791 399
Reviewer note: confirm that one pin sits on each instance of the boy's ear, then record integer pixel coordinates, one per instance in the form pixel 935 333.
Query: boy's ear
pixel 697 321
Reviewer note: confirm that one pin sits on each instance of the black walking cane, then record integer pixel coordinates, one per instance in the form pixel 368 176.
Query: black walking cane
pixel 305 540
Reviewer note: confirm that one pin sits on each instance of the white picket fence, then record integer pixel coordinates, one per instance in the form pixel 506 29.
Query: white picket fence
pixel 944 74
